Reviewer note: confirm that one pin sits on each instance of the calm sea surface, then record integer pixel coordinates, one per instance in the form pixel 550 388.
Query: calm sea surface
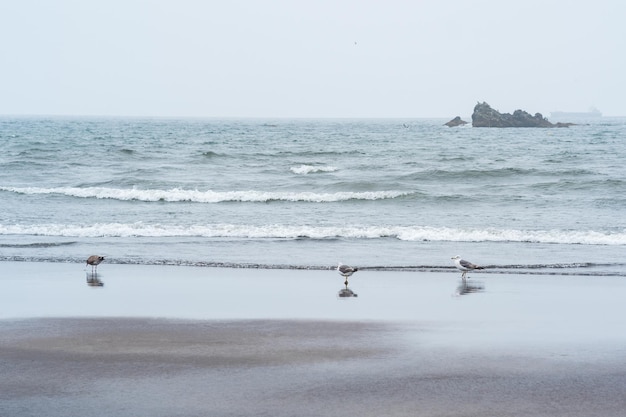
pixel 405 194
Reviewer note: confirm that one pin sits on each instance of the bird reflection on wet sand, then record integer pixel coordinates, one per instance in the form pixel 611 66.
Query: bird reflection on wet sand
pixel 346 292
pixel 466 288
pixel 94 281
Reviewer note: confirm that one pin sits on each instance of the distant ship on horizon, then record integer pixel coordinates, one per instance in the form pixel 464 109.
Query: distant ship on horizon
pixel 591 113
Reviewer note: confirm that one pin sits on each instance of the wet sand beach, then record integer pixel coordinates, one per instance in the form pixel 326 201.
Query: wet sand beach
pixel 184 341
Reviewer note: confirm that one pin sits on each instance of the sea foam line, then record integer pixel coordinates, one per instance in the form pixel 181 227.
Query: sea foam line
pixel 277 231
pixel 209 196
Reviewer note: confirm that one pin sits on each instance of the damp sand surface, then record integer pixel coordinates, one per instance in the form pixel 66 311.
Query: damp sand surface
pixel 184 341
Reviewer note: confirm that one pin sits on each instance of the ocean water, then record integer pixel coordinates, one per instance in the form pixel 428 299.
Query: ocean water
pixel 305 194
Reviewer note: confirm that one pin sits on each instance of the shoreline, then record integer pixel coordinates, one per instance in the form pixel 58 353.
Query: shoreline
pixel 568 268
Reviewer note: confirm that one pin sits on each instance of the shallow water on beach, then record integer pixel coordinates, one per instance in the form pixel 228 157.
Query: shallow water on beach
pixel 502 310
pixel 385 194
pixel 232 341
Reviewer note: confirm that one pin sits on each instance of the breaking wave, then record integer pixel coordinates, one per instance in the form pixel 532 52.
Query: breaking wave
pixel 405 233
pixel 209 196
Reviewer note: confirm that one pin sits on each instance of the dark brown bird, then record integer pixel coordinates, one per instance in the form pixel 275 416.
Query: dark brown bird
pixel 94 261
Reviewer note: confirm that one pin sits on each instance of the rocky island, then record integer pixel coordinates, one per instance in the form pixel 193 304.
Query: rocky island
pixel 457 121
pixel 485 116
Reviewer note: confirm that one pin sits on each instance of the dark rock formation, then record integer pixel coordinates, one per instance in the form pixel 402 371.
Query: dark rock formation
pixel 456 122
pixel 485 116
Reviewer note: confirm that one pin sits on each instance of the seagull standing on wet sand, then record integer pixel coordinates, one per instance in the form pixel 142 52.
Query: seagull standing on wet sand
pixel 346 271
pixel 465 266
pixel 94 261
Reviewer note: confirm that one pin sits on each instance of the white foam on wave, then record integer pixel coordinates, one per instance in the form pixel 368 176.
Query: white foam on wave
pixel 406 233
pixel 209 196
pixel 310 169
pixel 587 237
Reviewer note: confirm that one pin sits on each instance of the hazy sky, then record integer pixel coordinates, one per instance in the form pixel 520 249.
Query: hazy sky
pixel 323 58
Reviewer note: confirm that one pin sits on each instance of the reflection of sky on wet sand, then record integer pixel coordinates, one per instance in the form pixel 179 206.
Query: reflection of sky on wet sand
pixel 500 311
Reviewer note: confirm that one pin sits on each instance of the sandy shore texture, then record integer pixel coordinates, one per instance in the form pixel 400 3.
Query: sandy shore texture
pixel 544 346
pixel 149 367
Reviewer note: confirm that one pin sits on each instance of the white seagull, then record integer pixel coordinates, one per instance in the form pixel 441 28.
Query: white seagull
pixel 465 266
pixel 346 271
pixel 94 261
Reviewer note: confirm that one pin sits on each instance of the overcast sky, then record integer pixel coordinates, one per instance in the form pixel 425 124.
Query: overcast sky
pixel 322 58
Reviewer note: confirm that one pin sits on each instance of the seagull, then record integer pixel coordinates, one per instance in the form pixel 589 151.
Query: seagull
pixel 465 266
pixel 346 271
pixel 94 261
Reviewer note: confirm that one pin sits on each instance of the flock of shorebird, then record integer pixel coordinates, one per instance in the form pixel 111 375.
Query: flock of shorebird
pixel 345 270
pixel 461 264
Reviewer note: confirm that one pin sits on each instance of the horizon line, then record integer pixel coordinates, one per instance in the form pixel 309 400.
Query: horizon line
pixel 102 116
